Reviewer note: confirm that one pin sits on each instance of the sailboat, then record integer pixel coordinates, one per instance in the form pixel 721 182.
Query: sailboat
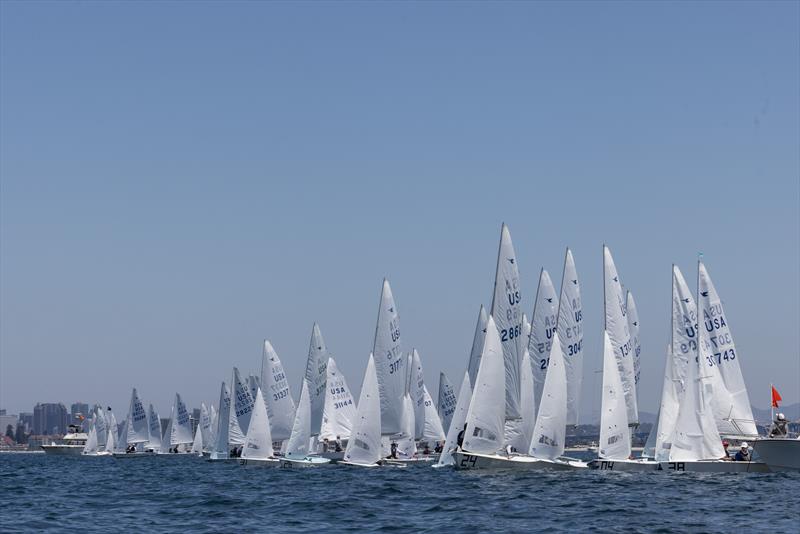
pixel 91 446
pixel 364 446
pixel 205 427
pixel 570 332
pixel 339 411
pixel 543 328
pixel 316 375
pixel 615 441
pixel 135 432
pixel 457 424
pixel 446 406
pixel 223 435
pixel 154 426
pixel 297 453
pixel 102 429
pixel 180 427
pixel 390 364
pixel 257 450
pixel 275 388
pixel 197 444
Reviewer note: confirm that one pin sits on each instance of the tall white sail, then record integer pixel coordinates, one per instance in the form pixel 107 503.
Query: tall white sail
pixel 447 401
pixel 543 328
pixel 570 334
pixel 616 324
pixel 458 422
pixel 416 390
pixel 154 423
pixel 112 438
pixel 197 443
pixel 205 424
pixel 477 344
pixel 122 442
pixel 101 426
pixel 168 431
pixel 406 446
pixel 716 325
pixel 486 416
pixel 301 430
pixel 720 399
pixel 316 365
pixel 222 434
pixel 339 412
pixel 137 419
pixel 253 383
pixel 181 426
pixel 364 446
pixel 527 401
pixel 390 362
pixel 551 420
pixel 275 388
pixel 258 443
pixel 615 437
pixel 235 434
pixel 432 430
pixel 507 313
pixel 90 447
pixel 242 401
pixel 212 439
pixel 633 327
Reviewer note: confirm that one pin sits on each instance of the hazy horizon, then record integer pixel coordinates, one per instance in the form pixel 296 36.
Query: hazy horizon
pixel 179 182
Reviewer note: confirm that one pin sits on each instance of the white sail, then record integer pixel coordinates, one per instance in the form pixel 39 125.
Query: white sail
pixel 91 442
pixel 432 430
pixel 406 446
pixel 137 418
pixel 649 449
pixel 543 328
pixel 316 365
pixel 205 424
pixel 155 429
pixel 212 438
pixel 242 401
pixel 458 422
pixel 181 425
pixel 615 437
pixel 339 412
pixel 477 344
pixel 253 383
pixel 364 446
pixel 122 441
pixel 616 324
pixel 528 403
pixel 416 389
pixel 720 399
pixel 168 431
pixel 570 334
pixel 507 314
pixel 112 438
pixel 258 443
pixel 716 324
pixel 301 430
pixel 390 362
pixel 101 426
pixel 486 416
pixel 222 434
pixel 197 443
pixel 447 401
pixel 275 388
pixel 551 419
pixel 633 327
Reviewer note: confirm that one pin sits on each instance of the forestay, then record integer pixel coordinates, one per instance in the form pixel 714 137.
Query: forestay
pixel 275 388
pixel 364 446
pixel 340 408
pixel 570 334
pixel 477 344
pixel 316 372
pixel 724 353
pixel 301 430
pixel 551 420
pixel 616 324
pixel 447 401
pixel 615 438
pixel 258 444
pixel 507 313
pixel 543 327
pixel 390 362
pixel 486 416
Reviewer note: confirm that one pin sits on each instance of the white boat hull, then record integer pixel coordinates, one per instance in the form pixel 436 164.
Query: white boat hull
pixel 779 454
pixel 259 462
pixel 624 465
pixel 714 466
pixel 131 455
pixel 467 460
pixel 63 450
pixel 301 463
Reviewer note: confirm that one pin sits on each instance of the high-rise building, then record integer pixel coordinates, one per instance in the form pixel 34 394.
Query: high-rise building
pixel 6 421
pixel 49 418
pixel 26 420
pixel 76 410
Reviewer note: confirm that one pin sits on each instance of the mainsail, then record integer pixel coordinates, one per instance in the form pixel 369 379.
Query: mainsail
pixel 316 365
pixel 301 430
pixel 154 423
pixel 486 416
pixel 275 388
pixel 258 443
pixel 364 446
pixel 527 401
pixel 242 401
pixel 633 327
pixel 477 344
pixel 137 421
pixel 416 391
pixel 507 314
pixel 570 333
pixel 616 324
pixel 447 401
pixel 458 422
pixel 221 435
pixel 339 411
pixel 551 420
pixel 101 426
pixel 724 353
pixel 615 438
pixel 181 426
pixel 390 362
pixel 406 446
pixel 543 328
pixel 205 424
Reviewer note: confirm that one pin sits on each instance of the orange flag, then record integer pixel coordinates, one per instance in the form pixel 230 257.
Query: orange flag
pixel 776 397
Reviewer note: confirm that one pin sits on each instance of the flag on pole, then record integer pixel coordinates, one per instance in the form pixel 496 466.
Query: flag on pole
pixel 776 397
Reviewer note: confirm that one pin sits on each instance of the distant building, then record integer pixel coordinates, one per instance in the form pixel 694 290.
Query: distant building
pixel 49 418
pixel 26 420
pixel 76 410
pixel 6 420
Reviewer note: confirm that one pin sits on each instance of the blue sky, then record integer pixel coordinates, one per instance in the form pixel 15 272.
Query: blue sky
pixel 180 180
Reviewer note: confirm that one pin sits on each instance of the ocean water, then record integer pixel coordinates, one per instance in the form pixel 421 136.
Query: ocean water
pixel 188 494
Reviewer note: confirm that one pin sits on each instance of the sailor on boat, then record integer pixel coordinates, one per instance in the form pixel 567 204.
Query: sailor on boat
pixel 727 456
pixel 744 453
pixel 778 428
